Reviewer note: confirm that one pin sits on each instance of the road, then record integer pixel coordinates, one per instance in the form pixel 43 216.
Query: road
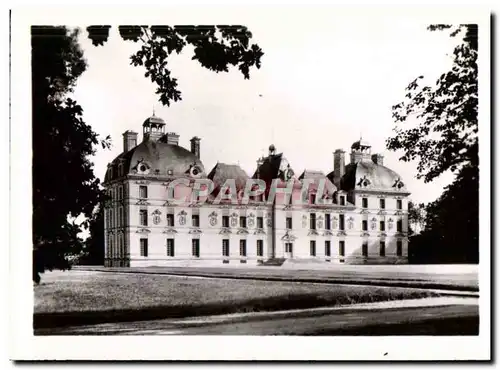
pixel 452 317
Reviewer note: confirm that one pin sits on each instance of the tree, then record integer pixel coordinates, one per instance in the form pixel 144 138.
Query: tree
pixel 416 215
pixel 93 253
pixel 451 234
pixel 64 184
pixel 214 47
pixel 445 139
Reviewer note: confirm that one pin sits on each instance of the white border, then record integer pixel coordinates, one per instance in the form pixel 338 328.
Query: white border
pixel 23 345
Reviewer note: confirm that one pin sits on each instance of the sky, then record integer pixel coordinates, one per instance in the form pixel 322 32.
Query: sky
pixel 322 85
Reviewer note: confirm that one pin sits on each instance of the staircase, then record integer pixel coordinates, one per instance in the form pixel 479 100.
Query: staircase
pixel 273 262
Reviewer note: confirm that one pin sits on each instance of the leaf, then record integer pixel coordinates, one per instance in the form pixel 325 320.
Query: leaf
pixel 132 33
pixel 98 34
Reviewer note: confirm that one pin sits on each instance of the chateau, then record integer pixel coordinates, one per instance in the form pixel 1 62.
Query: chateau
pixel 355 214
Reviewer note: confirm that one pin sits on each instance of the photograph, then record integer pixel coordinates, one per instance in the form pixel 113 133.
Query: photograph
pixel 233 178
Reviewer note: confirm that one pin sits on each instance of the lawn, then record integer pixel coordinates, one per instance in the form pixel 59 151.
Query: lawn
pixel 79 297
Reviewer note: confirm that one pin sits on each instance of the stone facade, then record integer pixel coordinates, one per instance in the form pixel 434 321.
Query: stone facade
pixel 361 219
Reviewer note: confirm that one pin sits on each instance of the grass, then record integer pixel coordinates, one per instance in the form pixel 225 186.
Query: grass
pixel 78 298
pixel 360 276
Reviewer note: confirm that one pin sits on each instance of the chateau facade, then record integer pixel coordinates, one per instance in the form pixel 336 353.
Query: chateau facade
pixel 356 214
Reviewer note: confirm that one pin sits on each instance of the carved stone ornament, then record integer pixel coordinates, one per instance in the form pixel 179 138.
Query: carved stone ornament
pixel 288 237
pixel 364 181
pixel 398 184
pixel 213 218
pixel 335 220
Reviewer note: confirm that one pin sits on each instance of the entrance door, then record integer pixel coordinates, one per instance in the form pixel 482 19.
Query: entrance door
pixel 288 250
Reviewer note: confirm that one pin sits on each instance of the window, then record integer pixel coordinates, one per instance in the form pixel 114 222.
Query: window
pixel 365 202
pixel 342 200
pixel 312 247
pixel 288 247
pixel 143 216
pixel 225 221
pixel 399 248
pixel 260 222
pixel 144 247
pixel 342 248
pixel 243 222
pixel 260 248
pixel 170 248
pixel 364 249
pixel 195 220
pixel 328 250
pixel 170 219
pixel 195 247
pixel 313 198
pixel 382 225
pixel 400 204
pixel 120 216
pixel 243 248
pixel 312 221
pixel 382 203
pixel 399 226
pixel 289 223
pixel 143 191
pixel 365 225
pixel 341 222
pixel 225 247
pixel 382 249
pixel 328 221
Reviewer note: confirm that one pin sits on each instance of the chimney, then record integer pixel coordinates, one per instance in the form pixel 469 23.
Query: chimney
pixel 338 164
pixel 378 159
pixel 129 140
pixel 195 146
pixel 172 138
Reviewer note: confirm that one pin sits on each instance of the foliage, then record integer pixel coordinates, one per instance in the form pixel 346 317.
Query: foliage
pixel 93 253
pixel 64 184
pixel 214 47
pixel 452 223
pixel 416 215
pixel 445 137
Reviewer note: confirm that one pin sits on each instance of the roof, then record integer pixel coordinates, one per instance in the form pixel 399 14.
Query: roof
pixel 367 175
pixel 159 158
pixel 360 143
pixel 223 172
pixel 316 176
pixel 153 120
